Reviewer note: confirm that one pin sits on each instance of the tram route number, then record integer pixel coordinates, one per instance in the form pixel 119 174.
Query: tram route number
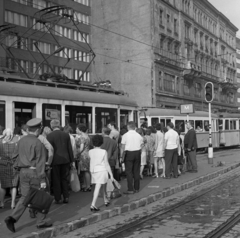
pixel 187 108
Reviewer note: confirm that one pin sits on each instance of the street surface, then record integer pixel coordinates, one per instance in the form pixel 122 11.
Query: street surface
pixel 80 202
pixel 194 219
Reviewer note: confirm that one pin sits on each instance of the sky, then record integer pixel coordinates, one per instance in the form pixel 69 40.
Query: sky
pixel 231 9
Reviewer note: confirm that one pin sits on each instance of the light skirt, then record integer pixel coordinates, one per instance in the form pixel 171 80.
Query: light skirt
pixel 143 158
pixel 100 177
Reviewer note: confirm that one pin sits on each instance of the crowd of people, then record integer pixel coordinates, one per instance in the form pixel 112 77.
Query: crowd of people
pixel 36 156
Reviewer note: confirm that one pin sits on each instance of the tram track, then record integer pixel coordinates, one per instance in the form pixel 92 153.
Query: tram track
pixel 218 232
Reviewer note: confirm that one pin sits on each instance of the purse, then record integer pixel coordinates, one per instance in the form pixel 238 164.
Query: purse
pixel 124 154
pixel 38 200
pixel 74 181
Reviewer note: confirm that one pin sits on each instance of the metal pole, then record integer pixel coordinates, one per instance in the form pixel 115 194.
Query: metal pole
pixel 210 148
pixel 187 117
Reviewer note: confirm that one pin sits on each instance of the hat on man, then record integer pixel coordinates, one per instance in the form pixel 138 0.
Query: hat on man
pixel 35 122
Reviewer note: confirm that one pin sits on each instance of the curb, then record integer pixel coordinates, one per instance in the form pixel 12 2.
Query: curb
pixel 96 217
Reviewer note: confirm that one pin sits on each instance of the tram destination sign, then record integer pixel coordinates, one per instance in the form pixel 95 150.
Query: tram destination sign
pixel 187 108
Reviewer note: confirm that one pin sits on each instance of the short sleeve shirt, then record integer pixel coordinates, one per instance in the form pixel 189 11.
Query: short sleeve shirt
pixel 132 141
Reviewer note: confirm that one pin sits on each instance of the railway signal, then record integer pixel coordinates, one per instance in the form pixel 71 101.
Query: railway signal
pixel 209 92
pixel 209 95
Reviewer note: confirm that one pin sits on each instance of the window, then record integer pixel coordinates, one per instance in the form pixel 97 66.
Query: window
pixel 154 121
pixel 16 18
pixel 180 125
pixel 160 79
pixel 49 112
pixel 206 125
pixel 233 124
pixel 40 26
pixel 187 31
pixel 198 90
pixel 169 83
pixel 199 126
pixel 226 124
pixel 80 17
pixel 168 18
pixel 161 17
pixel 42 46
pixel 175 26
pixel 24 2
pixel 186 89
pixel 169 48
pixel 162 42
pixel 84 2
pixel 78 74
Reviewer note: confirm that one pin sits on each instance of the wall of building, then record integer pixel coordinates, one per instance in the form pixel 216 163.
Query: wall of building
pixel 238 68
pixel 121 39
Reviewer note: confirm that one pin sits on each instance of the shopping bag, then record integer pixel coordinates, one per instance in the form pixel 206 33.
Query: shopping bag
pixel 113 189
pixel 38 200
pixel 74 181
pixel 116 184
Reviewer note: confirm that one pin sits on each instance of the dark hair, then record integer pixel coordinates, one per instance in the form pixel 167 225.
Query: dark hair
pixel 153 130
pixel 68 129
pixel 148 131
pixel 17 131
pixel 170 124
pixel 191 122
pixel 139 131
pixel 132 124
pixel 97 140
pixel 123 131
pixel 106 131
pixel 24 127
pixel 158 127
pixel 82 127
pixel 113 123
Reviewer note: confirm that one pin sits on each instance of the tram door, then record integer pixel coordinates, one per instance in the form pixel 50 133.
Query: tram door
pixel 23 112
pixel 124 118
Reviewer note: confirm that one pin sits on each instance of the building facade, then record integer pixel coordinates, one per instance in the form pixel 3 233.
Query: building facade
pixel 162 52
pixel 238 68
pixel 27 30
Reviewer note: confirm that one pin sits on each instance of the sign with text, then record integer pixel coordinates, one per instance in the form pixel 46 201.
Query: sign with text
pixel 187 108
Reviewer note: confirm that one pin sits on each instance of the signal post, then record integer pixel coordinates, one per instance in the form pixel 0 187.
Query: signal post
pixel 209 95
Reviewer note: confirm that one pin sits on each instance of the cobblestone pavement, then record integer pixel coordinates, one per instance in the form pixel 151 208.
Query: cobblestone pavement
pixel 233 233
pixel 193 220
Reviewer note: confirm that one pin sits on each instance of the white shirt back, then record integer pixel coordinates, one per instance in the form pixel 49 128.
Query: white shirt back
pixel 132 141
pixel 171 139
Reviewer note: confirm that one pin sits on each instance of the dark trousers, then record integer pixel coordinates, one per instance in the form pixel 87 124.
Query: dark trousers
pixel 171 162
pixel 60 181
pixel 28 179
pixel 191 155
pixel 132 164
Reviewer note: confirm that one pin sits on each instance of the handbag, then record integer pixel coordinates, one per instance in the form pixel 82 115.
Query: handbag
pixel 74 181
pixel 38 200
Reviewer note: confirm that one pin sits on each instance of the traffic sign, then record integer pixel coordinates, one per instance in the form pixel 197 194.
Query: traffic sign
pixel 187 108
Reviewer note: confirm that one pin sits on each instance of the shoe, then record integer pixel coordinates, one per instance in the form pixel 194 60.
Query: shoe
pixel 87 189
pixel 162 176
pixel 57 201
pixel 155 176
pixel 32 213
pixel 44 226
pixel 12 205
pixel 128 192
pixel 1 204
pixel 10 223
pixel 175 176
pixel 167 177
pixel 94 209
pixel 65 200
pixel 136 191
pixel 192 171
pixel 107 203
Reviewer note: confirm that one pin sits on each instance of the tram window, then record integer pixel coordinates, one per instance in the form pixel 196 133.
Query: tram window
pixel 220 124
pixel 24 112
pixel 180 125
pixel 75 115
pixel 226 124
pixel 2 115
pixel 167 121
pixel 50 112
pixel 233 125
pixel 162 121
pixel 124 117
pixel 135 117
pixel 104 116
pixel 206 125
pixel 199 126
pixel 154 121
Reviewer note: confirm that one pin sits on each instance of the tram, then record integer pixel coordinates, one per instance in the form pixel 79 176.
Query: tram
pixel 225 127
pixel 22 99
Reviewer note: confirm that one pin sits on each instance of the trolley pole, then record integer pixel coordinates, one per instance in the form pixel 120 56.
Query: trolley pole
pixel 210 147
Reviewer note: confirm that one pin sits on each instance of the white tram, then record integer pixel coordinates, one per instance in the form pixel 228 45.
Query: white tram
pixel 22 99
pixel 225 127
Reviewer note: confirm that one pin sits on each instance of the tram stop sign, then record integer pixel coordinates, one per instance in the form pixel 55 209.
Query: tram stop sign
pixel 187 108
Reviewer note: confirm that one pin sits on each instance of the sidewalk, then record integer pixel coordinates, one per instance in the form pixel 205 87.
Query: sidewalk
pixel 76 214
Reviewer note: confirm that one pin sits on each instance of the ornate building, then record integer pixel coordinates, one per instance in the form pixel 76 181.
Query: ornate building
pixel 162 52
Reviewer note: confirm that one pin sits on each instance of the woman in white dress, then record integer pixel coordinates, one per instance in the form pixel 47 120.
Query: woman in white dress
pixel 159 151
pixel 100 170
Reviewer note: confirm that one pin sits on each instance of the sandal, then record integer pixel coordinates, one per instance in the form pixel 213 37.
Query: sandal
pixel 87 189
pixel 1 204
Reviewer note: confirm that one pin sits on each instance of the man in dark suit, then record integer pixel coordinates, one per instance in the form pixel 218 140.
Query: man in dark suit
pixel 110 145
pixel 190 145
pixel 62 158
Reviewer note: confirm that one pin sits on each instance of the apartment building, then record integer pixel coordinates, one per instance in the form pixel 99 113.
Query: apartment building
pixel 29 35
pixel 162 52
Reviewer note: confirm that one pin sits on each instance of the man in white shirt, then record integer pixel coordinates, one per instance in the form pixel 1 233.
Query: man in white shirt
pixel 171 151
pixel 132 144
